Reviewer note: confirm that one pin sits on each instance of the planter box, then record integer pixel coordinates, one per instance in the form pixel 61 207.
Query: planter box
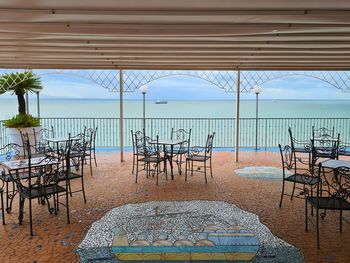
pixel 15 135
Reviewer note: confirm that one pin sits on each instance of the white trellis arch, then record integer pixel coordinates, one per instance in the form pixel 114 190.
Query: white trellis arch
pixel 226 80
pixel 133 79
pixel 337 79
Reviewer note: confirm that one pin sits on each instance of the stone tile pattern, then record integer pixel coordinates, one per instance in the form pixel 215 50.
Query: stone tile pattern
pixel 261 172
pixel 182 232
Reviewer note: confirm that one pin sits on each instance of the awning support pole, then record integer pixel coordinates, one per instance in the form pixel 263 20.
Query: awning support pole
pixel 121 119
pixel 38 103
pixel 238 92
pixel 27 102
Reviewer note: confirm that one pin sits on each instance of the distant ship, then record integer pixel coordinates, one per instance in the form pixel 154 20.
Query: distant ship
pixel 161 102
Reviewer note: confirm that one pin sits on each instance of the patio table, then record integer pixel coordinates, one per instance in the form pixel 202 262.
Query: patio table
pixel 334 164
pixel 170 143
pixel 62 140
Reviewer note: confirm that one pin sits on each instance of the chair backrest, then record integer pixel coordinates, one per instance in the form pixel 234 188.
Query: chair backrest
pixel 90 137
pixel 334 183
pixel 291 137
pixel 182 135
pixel 209 144
pixel 146 146
pixel 288 158
pixel 11 151
pixel 41 136
pixel 327 145
pixel 322 132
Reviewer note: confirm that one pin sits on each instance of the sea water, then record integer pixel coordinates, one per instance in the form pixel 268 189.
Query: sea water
pixel 104 108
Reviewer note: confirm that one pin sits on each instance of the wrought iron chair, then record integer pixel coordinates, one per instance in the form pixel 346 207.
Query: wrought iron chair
pixel 9 152
pixel 332 193
pixel 299 146
pixel 42 183
pixel 344 149
pixel 294 174
pixel 180 150
pixel 322 132
pixel 40 139
pixel 324 147
pixel 201 155
pixel 12 152
pixel 90 138
pixel 75 168
pixel 149 154
pixel 135 153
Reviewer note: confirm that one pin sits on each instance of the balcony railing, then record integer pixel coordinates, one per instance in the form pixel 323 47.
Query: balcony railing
pixel 272 131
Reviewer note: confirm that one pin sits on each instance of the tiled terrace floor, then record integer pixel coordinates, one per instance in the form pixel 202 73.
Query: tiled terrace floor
pixel 113 185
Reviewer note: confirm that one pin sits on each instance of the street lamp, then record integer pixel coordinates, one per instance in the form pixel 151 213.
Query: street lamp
pixel 143 90
pixel 256 90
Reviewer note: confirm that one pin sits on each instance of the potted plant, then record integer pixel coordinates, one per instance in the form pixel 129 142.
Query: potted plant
pixel 18 83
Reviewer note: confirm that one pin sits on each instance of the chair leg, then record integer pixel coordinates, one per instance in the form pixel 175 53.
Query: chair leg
pixel 90 165
pixel 318 230
pixel 2 207
pixel 205 172
pixel 82 188
pixel 280 205
pixel 30 217
pixel 306 216
pixel 186 170
pixel 133 163
pixel 291 197
pixel 192 167
pixel 341 221
pixel 67 207
pixel 55 203
pixel 211 169
pixel 70 190
pixel 95 156
pixel 137 170
pixel 21 207
pixel 157 172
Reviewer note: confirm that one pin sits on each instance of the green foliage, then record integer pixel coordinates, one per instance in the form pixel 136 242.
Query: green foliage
pixel 22 121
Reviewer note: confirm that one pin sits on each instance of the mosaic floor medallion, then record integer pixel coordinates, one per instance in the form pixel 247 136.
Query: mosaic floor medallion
pixel 190 231
pixel 261 172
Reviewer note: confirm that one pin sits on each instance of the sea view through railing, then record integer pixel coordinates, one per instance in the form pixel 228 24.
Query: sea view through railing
pixel 271 131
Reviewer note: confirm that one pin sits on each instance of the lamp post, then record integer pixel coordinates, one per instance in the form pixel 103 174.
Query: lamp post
pixel 143 90
pixel 257 90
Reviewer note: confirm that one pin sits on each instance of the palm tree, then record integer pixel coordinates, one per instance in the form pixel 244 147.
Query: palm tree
pixel 19 83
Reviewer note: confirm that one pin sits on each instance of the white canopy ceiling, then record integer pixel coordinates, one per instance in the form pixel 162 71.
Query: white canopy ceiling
pixel 175 34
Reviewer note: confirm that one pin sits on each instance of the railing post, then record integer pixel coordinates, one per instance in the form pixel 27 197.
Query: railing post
pixel 265 134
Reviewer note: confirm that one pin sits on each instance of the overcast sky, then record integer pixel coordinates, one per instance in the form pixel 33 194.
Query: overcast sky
pixel 190 88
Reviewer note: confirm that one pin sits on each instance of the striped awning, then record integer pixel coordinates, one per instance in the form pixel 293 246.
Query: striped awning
pixel 175 34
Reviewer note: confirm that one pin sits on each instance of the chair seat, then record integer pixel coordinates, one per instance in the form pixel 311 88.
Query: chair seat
pixel 330 203
pixel 21 175
pixel 152 159
pixel 40 191
pixel 198 158
pixel 302 178
pixel 346 153
pixel 302 150
pixel 71 176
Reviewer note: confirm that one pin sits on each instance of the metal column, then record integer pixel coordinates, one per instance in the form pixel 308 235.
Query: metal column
pixel 121 117
pixel 238 92
pixel 38 104
pixel 27 102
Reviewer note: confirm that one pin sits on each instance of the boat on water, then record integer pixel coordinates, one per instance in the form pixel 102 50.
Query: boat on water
pixel 160 102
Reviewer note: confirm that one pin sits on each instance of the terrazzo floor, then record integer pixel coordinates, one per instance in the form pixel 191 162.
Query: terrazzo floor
pixel 113 187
